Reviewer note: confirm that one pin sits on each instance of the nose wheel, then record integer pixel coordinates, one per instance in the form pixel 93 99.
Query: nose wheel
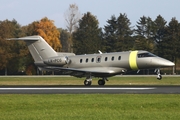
pixel 159 77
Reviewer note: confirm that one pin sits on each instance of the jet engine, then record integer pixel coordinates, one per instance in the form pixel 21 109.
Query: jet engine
pixel 57 61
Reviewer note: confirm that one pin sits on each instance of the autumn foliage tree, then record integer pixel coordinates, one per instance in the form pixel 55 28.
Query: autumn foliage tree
pixel 46 29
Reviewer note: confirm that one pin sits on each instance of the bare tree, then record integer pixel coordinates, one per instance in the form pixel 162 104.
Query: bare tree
pixel 72 16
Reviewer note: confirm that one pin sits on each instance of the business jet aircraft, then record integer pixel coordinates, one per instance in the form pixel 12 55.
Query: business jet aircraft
pixel 102 65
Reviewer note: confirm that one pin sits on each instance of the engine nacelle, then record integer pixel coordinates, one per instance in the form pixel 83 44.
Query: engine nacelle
pixel 57 61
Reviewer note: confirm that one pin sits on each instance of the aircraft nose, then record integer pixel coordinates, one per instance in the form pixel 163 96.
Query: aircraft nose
pixel 165 63
pixel 168 63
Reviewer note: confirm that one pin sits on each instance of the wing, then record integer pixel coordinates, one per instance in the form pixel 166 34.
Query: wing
pixel 94 71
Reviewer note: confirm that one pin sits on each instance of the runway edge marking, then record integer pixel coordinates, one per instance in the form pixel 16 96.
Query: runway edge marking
pixel 49 88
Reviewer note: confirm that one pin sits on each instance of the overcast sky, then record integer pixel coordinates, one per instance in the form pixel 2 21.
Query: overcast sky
pixel 27 11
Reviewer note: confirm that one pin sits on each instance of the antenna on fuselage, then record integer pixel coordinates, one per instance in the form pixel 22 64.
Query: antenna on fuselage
pixel 99 52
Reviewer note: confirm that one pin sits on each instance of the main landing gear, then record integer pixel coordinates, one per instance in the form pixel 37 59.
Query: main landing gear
pixel 88 81
pixel 101 82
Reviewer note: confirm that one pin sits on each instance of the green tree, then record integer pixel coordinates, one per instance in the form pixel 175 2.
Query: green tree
pixel 65 38
pixel 31 29
pixel 117 34
pixel 144 34
pixel 110 35
pixel 5 46
pixel 124 33
pixel 11 52
pixel 171 41
pixel 159 33
pixel 87 38
pixel 27 62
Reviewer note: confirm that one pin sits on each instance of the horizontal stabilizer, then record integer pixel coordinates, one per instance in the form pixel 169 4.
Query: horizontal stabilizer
pixel 33 38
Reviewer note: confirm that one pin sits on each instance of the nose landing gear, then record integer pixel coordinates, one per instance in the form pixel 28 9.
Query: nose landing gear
pixel 159 76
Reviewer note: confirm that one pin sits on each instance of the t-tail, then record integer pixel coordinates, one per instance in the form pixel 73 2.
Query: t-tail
pixel 43 54
pixel 38 47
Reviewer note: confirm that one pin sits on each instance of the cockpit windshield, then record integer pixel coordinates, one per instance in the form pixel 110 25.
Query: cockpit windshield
pixel 142 55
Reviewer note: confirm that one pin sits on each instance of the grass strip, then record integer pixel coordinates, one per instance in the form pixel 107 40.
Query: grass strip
pixel 80 81
pixel 90 107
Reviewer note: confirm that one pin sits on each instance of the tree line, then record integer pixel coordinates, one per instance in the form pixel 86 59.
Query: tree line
pixel 14 55
pixel 156 36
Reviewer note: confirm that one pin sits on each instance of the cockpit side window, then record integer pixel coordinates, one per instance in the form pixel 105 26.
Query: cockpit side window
pixel 142 55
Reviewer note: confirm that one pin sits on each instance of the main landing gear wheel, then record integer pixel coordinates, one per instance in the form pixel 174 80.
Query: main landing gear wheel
pixel 87 82
pixel 101 82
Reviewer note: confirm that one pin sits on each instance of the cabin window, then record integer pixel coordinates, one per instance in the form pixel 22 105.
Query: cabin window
pixel 86 59
pixel 119 58
pixel 81 60
pixel 98 59
pixel 106 58
pixel 112 58
pixel 92 60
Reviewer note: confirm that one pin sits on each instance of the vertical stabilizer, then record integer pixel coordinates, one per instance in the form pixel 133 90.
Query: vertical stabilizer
pixel 38 47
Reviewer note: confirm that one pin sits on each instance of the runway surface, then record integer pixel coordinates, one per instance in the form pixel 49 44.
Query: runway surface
pixel 90 90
